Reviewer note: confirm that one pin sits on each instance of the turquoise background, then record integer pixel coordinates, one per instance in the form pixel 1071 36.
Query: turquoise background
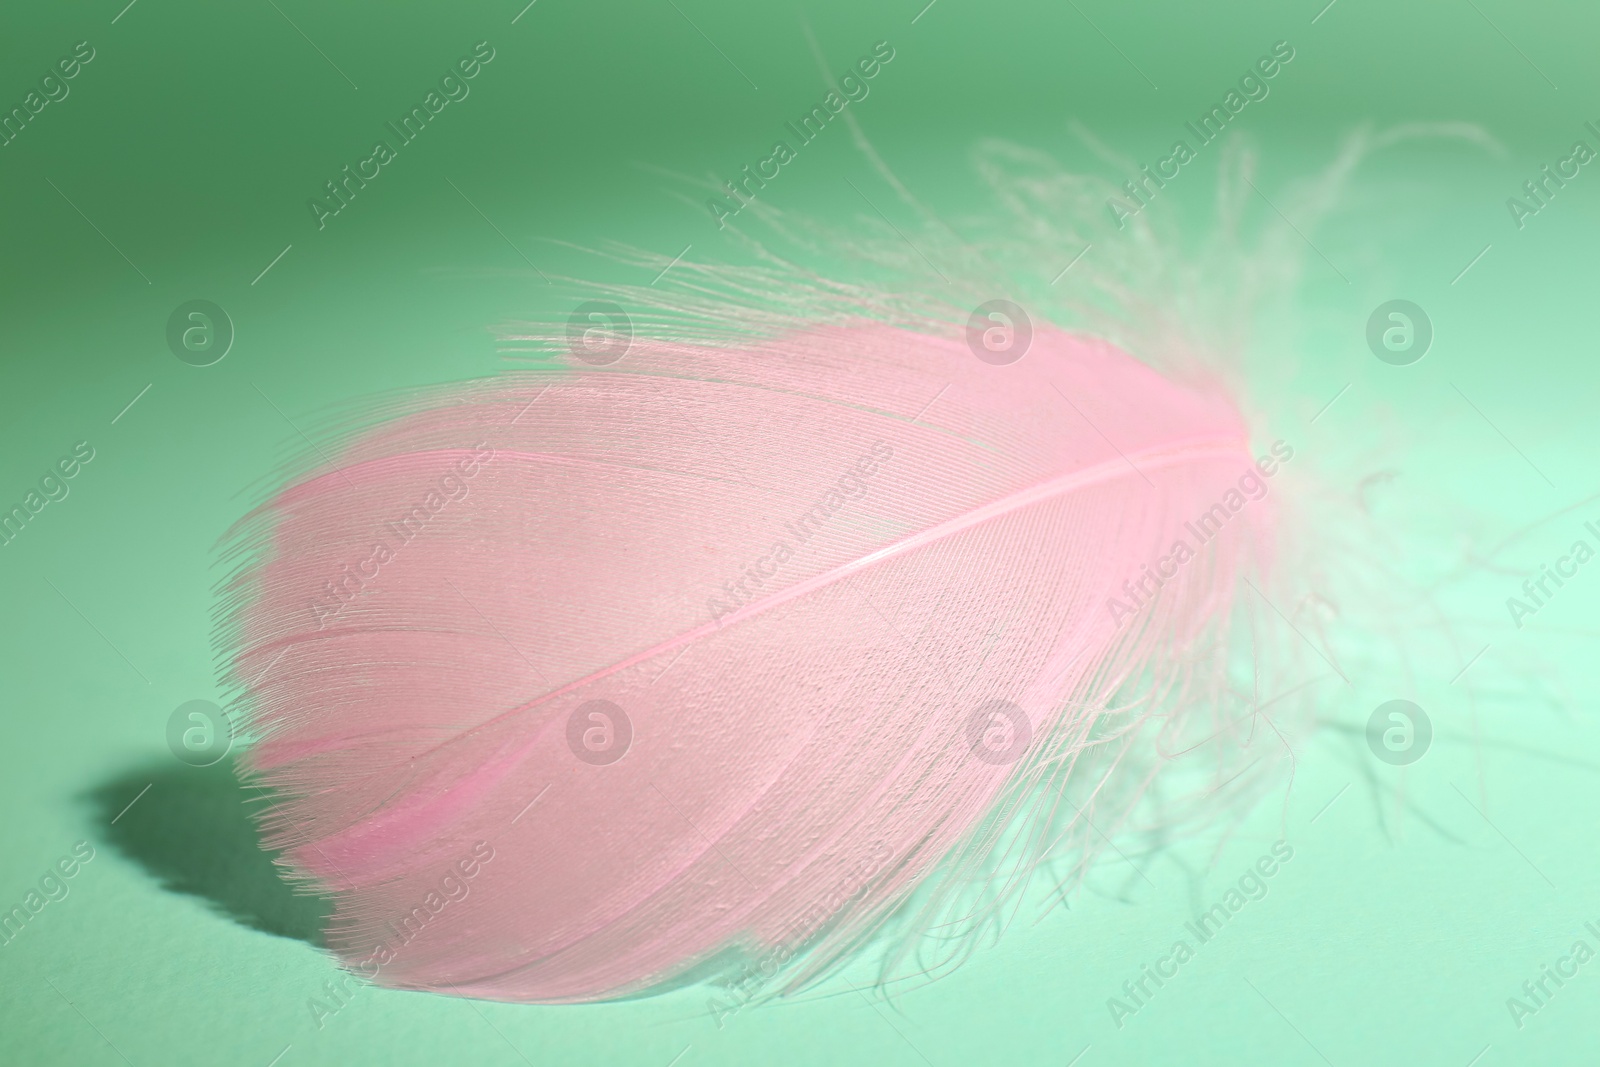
pixel 180 165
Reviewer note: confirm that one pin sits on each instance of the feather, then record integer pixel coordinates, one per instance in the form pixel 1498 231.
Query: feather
pixel 576 682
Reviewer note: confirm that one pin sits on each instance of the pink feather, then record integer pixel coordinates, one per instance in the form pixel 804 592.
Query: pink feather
pixel 810 734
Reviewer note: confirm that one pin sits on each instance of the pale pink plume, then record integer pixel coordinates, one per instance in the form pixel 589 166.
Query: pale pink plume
pixel 816 573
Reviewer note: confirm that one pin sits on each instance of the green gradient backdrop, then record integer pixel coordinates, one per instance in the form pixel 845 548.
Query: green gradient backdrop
pixel 179 166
